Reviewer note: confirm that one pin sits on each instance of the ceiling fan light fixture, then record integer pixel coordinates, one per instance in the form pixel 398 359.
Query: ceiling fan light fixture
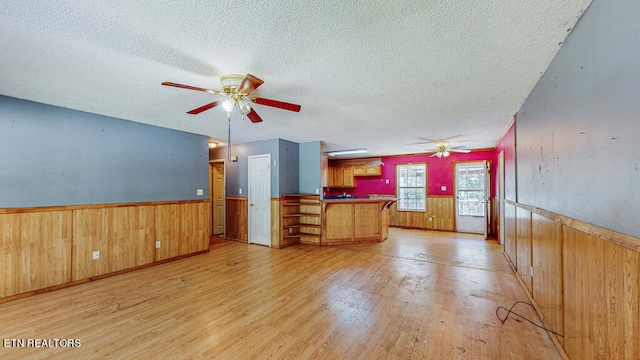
pixel 230 82
pixel 212 144
pixel 244 106
pixel 228 105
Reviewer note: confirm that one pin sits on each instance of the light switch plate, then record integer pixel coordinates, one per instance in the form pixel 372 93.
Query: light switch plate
pixel 95 255
pixel 200 192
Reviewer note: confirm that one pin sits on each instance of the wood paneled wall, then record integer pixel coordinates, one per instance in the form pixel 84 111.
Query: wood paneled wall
pixel 123 235
pixel 601 298
pixel 441 210
pixel 523 246
pixel 546 239
pixel 510 233
pixel 35 250
pixel 50 247
pixel 182 229
pixel 585 283
pixel 237 221
pixel 276 225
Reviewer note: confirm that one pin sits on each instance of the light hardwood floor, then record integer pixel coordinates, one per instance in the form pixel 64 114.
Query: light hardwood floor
pixel 418 295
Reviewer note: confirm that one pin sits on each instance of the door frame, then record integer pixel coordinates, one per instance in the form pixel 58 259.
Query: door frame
pixel 455 194
pixel 487 199
pixel 249 202
pixel 224 194
pixel 501 197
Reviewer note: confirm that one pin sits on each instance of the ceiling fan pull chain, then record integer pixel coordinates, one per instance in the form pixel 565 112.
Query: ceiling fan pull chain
pixel 229 139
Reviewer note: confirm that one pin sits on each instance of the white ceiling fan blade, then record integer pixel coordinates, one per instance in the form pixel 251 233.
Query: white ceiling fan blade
pixel 460 150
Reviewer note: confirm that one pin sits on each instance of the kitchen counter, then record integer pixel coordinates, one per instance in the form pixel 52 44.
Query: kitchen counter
pixel 352 221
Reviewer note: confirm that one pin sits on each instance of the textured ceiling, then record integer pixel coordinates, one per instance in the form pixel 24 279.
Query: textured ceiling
pixel 375 74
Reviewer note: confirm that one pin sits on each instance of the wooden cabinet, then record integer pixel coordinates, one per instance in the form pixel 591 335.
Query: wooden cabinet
pixel 367 170
pixel 355 221
pixel 347 177
pixel 341 177
pixel 300 219
pixel 324 171
pixel 342 173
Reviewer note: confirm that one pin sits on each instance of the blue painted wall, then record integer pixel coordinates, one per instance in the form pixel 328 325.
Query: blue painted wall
pixel 284 174
pixel 577 134
pixel 52 156
pixel 310 160
pixel 288 167
pixel 237 173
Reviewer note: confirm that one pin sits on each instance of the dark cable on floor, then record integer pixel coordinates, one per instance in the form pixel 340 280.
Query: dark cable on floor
pixel 510 311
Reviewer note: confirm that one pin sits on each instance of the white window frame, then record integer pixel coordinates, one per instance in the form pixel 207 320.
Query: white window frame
pixel 399 169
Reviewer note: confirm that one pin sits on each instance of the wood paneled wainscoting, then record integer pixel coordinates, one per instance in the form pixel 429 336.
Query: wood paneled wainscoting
pixel 43 249
pixel 584 281
pixel 237 221
pixel 440 215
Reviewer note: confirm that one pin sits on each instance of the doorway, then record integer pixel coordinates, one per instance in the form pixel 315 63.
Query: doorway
pixel 501 196
pixel 471 180
pixel 260 199
pixel 217 197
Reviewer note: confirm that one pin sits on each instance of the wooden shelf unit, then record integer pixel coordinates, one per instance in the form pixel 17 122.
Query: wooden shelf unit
pixel 300 219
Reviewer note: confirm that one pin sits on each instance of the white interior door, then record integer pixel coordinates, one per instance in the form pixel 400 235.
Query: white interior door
pixel 470 197
pixel 260 199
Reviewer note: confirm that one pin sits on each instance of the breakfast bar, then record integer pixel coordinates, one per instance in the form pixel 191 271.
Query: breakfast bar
pixel 353 221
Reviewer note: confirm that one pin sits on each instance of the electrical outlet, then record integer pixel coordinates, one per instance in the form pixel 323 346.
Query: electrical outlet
pixel 95 255
pixel 290 230
pixel 531 271
pixel 317 191
pixel 239 191
pixel 200 192
pixel 157 244
pixel 430 219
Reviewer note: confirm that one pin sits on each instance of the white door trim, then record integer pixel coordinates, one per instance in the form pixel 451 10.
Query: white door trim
pixel 224 192
pixel 468 223
pixel 256 204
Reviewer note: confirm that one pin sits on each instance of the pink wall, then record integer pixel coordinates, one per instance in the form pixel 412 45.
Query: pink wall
pixel 440 173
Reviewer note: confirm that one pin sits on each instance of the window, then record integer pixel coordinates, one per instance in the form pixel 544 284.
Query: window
pixel 471 189
pixel 411 187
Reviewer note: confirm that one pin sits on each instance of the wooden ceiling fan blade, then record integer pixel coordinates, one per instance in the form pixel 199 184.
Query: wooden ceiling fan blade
pixel 254 117
pixel 203 108
pixel 277 104
pixel 248 84
pixel 189 87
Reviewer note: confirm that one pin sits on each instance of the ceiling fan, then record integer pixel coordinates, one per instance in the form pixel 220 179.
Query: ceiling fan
pixel 237 88
pixel 443 149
